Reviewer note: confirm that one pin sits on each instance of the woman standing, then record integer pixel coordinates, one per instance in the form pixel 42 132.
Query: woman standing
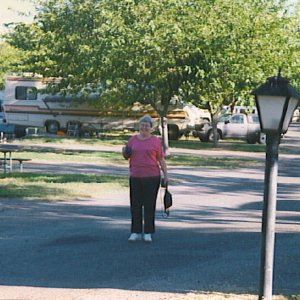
pixel 146 159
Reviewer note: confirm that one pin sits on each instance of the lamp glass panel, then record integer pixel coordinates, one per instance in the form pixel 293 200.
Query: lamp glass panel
pixel 293 103
pixel 271 108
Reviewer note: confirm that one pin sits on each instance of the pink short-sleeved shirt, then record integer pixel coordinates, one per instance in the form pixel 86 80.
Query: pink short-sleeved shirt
pixel 145 155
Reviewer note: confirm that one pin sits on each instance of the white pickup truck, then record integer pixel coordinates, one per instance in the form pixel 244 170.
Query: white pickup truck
pixel 236 126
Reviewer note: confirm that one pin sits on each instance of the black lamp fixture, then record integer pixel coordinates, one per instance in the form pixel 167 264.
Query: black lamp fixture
pixel 276 101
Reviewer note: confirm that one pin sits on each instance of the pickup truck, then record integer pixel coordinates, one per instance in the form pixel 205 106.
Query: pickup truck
pixel 236 126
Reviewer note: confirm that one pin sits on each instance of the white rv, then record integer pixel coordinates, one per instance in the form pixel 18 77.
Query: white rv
pixel 25 106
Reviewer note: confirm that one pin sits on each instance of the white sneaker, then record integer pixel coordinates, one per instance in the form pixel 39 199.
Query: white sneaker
pixel 147 238
pixel 135 237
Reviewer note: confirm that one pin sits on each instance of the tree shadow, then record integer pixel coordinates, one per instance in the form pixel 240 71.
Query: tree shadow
pixel 62 245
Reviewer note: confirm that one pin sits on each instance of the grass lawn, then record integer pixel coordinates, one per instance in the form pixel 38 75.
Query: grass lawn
pixel 58 187
pixel 122 138
pixel 54 187
pixel 73 186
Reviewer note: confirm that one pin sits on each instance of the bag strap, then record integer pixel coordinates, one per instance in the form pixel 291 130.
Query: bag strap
pixel 165 186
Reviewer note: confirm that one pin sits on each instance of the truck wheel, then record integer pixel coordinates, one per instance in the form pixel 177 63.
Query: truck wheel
pixel 251 139
pixel 19 131
pixel 173 132
pixel 210 136
pixel 52 127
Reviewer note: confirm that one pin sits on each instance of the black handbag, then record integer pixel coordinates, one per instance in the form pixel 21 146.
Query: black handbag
pixel 168 201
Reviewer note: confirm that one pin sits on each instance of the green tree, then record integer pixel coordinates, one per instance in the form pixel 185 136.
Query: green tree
pixel 210 52
pixel 245 42
pixel 135 50
pixel 10 60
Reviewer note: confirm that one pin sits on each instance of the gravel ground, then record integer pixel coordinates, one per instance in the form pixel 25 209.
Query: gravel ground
pixel 31 293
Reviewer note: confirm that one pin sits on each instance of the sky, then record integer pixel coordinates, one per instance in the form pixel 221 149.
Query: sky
pixel 9 12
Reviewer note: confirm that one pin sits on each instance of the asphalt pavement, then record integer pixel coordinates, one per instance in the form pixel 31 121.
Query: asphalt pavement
pixel 210 242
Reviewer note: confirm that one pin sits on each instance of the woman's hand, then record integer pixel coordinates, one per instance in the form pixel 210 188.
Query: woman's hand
pixel 165 181
pixel 163 167
pixel 126 151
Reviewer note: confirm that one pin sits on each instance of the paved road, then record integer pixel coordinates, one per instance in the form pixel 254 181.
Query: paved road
pixel 211 241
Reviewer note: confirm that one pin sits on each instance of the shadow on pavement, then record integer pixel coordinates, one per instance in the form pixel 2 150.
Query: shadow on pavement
pixel 65 245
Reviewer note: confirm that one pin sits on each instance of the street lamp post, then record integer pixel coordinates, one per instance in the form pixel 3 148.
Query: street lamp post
pixel 276 101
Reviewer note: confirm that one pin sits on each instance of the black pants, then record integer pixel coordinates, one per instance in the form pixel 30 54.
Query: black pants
pixel 143 193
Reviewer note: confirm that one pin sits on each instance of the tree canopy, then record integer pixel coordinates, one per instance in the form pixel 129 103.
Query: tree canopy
pixel 209 52
pixel 245 42
pixel 10 60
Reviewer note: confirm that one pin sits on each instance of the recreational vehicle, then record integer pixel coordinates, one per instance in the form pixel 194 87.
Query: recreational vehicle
pixel 24 105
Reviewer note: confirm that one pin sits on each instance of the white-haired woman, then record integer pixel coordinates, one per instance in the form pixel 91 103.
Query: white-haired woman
pixel 146 161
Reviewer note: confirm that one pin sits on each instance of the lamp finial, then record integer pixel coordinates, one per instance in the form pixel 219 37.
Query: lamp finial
pixel 279 73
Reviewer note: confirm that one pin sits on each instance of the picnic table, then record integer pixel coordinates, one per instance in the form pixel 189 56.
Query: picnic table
pixel 8 158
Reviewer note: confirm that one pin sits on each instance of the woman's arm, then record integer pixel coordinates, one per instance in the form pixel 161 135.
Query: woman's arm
pixel 164 169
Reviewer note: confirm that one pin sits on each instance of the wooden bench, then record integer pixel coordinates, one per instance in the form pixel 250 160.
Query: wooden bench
pixel 9 162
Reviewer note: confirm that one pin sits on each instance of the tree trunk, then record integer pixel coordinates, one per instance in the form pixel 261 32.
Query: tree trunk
pixel 215 133
pixel 214 123
pixel 165 138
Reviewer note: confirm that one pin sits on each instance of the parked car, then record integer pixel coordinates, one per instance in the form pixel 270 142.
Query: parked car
pixel 236 126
